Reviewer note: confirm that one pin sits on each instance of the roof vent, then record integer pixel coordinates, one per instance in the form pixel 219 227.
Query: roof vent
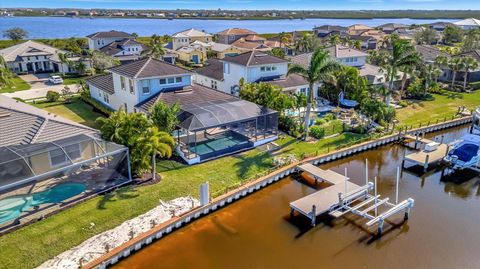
pixel 4 114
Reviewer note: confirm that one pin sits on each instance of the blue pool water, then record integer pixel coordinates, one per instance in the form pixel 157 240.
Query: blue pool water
pixel 12 207
pixel 218 143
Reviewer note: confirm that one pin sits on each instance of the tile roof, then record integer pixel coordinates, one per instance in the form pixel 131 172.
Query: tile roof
pixel 186 96
pixel 331 28
pixel 29 48
pixel 148 67
pixel 473 53
pixel 21 123
pixel 212 69
pixel 468 22
pixel 110 34
pixel 429 53
pixel 359 27
pixel 191 33
pixel 244 44
pixel 393 25
pixel 336 52
pixel 236 31
pixel 254 38
pixel 253 58
pixel 102 82
pixel 292 80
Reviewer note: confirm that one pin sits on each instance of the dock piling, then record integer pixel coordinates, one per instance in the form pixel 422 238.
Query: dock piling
pixel 314 215
pixel 396 191
pixel 425 166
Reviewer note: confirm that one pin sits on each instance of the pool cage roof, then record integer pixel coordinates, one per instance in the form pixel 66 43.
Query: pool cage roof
pixel 20 164
pixel 206 115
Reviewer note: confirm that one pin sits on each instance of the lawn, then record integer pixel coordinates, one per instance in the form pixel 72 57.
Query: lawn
pixel 73 79
pixel 18 85
pixel 69 228
pixel 77 111
pixel 442 105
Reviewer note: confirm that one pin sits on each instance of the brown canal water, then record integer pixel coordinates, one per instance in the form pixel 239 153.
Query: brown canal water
pixel 257 232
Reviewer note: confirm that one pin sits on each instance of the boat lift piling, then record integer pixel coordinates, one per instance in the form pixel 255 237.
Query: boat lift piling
pixel 354 199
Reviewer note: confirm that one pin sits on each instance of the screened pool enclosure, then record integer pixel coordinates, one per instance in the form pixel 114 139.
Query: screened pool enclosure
pixel 212 129
pixel 37 179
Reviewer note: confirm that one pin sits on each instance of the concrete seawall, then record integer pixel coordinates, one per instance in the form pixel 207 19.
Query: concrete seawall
pixel 163 229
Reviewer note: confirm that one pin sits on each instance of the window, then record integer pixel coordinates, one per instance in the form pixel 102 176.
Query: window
pixel 263 68
pixel 213 84
pixel 57 157
pixel 122 83
pixel 132 90
pixel 226 68
pixel 178 79
pixel 163 81
pixel 274 68
pixel 146 86
pixel 105 98
pixel 125 107
pixel 73 151
pixel 171 80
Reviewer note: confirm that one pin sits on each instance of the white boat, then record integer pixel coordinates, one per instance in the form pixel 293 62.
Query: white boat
pixel 466 152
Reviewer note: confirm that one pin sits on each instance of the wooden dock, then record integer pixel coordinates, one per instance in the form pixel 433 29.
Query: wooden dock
pixel 423 157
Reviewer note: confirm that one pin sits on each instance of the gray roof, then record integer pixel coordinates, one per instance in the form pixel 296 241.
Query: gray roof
pixel 29 48
pixel 335 52
pixel 213 69
pixel 473 53
pixel 148 67
pixel 292 80
pixel 110 34
pixel 429 53
pixel 252 58
pixel 103 82
pixel 331 28
pixel 21 123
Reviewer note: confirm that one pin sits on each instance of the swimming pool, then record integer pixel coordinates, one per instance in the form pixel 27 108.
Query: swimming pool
pixel 12 207
pixel 219 144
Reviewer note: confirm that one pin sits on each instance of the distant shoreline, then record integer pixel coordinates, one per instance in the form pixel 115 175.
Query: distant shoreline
pixel 244 18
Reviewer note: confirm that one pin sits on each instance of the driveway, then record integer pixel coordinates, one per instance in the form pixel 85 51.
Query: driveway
pixel 40 87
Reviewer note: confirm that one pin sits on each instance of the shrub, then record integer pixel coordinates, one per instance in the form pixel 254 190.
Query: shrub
pixel 317 131
pixel 52 96
pixel 320 121
pixel 403 103
pixel 329 117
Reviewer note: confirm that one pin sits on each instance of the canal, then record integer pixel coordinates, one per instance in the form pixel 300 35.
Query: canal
pixel 257 232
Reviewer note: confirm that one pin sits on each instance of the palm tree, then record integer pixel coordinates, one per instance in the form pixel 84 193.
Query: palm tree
pixel 320 70
pixel 408 70
pixel 283 38
pixel 64 60
pixel 300 101
pixel 403 54
pixel 159 144
pixel 157 48
pixel 303 44
pixel 5 74
pixel 469 64
pixel 455 64
pixel 334 40
pixel 430 72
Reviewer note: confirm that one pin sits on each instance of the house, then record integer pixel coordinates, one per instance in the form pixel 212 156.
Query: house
pixel 429 54
pixel 120 45
pixel 42 153
pixel 245 46
pixel 378 35
pixel 228 36
pixel 99 40
pixel 473 75
pixel 389 28
pixel 211 123
pixel 252 66
pixel 36 57
pixel 223 50
pixel 326 30
pixel 357 29
pixel 367 42
pixel 211 75
pixel 185 38
pixel 195 53
pixel 440 26
pixel 347 56
pixel 468 24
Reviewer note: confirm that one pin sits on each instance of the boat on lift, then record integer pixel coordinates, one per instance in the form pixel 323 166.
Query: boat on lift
pixel 466 152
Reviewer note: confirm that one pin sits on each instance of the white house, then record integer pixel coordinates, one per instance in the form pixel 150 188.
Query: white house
pixel 184 38
pixel 130 84
pixel 117 44
pixel 36 57
pixel 468 24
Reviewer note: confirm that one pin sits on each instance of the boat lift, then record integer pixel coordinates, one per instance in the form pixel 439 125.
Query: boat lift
pixel 337 201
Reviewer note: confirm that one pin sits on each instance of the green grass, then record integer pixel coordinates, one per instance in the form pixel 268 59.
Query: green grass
pixel 77 111
pixel 443 105
pixel 18 85
pixel 69 228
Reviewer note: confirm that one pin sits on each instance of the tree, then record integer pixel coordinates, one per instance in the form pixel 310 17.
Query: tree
pixel 303 44
pixel 320 70
pixel 430 72
pixel 300 101
pixel 64 60
pixel 66 94
pixel 278 52
pixel 402 54
pixel 453 34
pixel 468 64
pixel 472 41
pixel 283 38
pixel 52 96
pixel 426 35
pixel 454 64
pixel 267 95
pixel 135 131
pixel 156 47
pixel 334 40
pixel 80 67
pixel 164 117
pixel 15 34
pixel 102 61
pixel 6 75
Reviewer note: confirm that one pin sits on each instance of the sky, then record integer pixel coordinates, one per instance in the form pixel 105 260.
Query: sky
pixel 248 4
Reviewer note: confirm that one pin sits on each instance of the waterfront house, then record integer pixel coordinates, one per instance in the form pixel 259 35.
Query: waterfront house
pixel 212 123
pixel 228 36
pixel 35 57
pixel 328 30
pixel 366 42
pixel 120 45
pixel 357 29
pixel 185 38
pixel 389 28
pixel 245 46
pixel 440 26
pixel 48 162
pixel 468 24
